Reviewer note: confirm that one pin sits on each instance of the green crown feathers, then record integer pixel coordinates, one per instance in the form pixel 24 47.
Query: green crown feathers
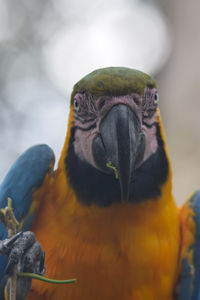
pixel 114 81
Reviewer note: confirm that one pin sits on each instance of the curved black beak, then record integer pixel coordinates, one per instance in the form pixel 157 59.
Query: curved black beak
pixel 119 148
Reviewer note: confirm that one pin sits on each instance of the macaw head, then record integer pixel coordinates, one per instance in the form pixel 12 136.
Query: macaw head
pixel 115 151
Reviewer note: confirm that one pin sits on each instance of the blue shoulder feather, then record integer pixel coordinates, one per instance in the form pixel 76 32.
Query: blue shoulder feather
pixel 24 177
pixel 190 276
pixel 195 205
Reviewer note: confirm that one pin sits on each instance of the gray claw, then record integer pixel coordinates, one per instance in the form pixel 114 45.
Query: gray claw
pixel 6 244
pixel 42 265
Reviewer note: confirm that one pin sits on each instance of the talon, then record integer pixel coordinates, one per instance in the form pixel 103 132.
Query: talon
pixel 7 243
pixel 42 266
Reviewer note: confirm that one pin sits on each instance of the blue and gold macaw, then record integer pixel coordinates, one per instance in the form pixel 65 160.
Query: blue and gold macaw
pixel 107 215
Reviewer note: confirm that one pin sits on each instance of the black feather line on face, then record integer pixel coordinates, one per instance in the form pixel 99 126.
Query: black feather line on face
pixel 149 125
pixel 92 126
pixel 83 121
pixel 94 187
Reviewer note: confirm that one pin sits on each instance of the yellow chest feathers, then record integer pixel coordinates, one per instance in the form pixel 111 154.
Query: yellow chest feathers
pixel 126 251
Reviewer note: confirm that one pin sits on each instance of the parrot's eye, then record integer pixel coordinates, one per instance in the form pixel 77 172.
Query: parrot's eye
pixel 76 106
pixel 156 99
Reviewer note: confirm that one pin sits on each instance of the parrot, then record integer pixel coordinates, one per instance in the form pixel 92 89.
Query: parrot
pixel 107 214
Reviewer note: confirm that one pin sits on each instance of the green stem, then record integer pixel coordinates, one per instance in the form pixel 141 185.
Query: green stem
pixel 111 166
pixel 39 277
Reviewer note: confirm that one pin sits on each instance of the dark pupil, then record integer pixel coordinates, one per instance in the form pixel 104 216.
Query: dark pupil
pixel 75 103
pixel 156 97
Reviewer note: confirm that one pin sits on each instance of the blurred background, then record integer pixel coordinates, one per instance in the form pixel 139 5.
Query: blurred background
pixel 46 46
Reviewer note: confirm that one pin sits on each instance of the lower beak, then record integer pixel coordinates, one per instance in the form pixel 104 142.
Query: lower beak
pixel 119 147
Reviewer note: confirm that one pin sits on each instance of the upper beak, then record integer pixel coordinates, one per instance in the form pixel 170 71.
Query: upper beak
pixel 120 145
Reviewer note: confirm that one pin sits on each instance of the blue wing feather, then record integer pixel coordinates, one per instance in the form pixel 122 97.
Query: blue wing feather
pixel 24 177
pixel 186 281
pixel 195 205
pixel 190 275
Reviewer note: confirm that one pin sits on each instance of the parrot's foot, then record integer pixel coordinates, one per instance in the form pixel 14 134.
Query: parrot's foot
pixel 24 251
